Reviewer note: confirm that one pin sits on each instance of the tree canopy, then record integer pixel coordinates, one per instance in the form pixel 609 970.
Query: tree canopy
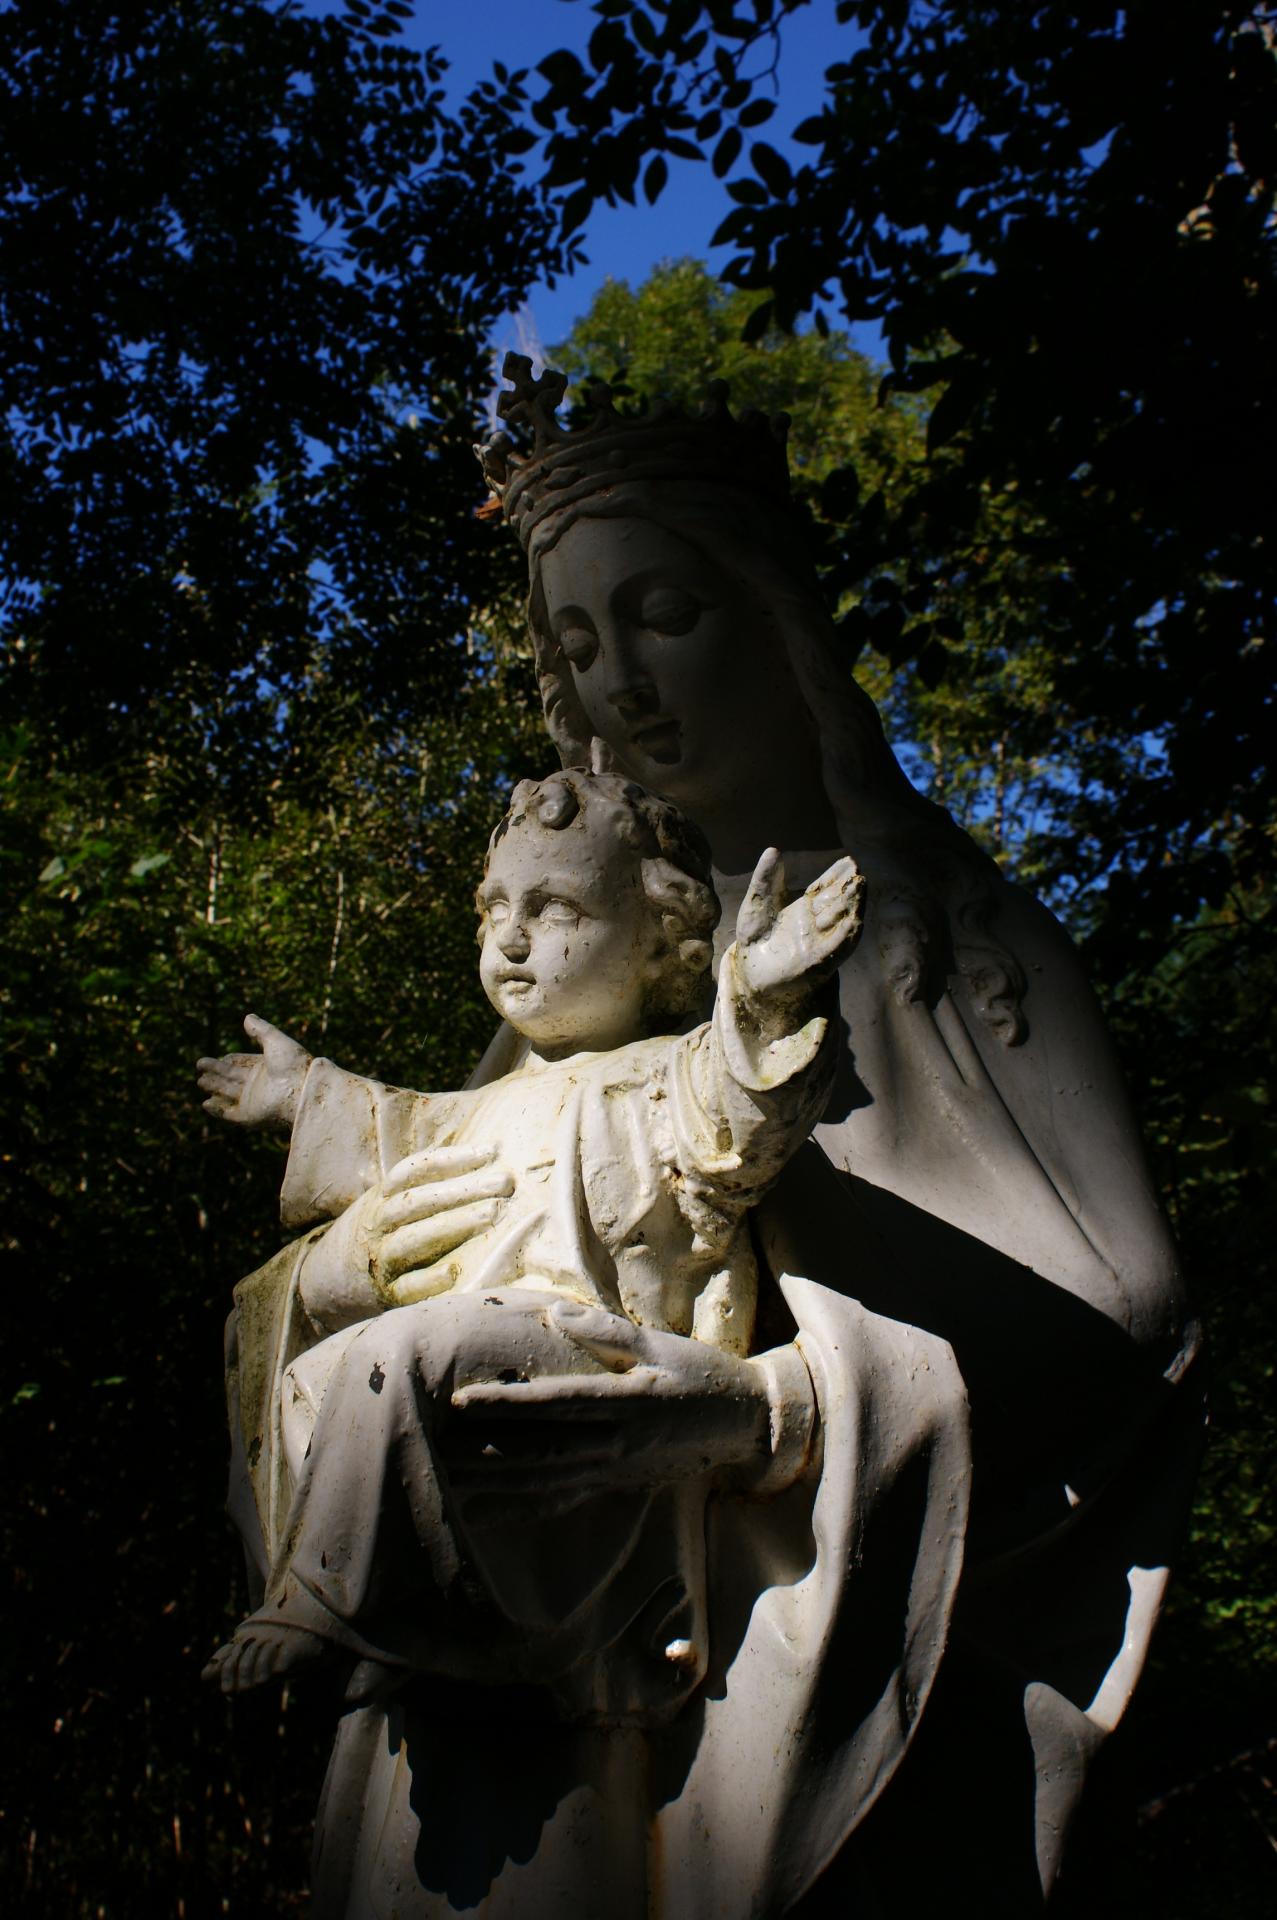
pixel 264 686
pixel 242 353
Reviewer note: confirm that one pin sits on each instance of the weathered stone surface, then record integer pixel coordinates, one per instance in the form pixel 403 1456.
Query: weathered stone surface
pixel 614 1434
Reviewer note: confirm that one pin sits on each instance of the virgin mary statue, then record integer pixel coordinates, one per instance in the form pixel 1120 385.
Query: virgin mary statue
pixel 920 1633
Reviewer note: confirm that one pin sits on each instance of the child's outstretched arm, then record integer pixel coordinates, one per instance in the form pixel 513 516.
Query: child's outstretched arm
pixel 256 1089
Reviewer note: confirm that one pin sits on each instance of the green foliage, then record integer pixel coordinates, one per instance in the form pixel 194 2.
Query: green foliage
pixel 1201 1033
pixel 682 329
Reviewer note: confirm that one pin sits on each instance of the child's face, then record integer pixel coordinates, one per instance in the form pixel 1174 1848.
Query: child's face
pixel 567 939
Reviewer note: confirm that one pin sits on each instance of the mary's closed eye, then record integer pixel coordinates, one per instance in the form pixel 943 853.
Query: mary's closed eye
pixel 669 609
pixel 578 642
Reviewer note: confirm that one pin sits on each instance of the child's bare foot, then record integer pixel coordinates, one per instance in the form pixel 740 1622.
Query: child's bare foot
pixel 259 1651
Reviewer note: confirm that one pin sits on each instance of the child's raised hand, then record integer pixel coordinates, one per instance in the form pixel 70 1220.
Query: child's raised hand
pixel 782 950
pixel 256 1089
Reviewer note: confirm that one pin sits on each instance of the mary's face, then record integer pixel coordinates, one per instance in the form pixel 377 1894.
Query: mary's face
pixel 678 666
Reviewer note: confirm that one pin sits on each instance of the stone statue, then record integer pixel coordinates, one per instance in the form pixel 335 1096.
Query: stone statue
pixel 629 1162
pixel 914 1532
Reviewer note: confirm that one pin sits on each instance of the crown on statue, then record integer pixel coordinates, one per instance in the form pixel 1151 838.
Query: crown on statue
pixel 611 450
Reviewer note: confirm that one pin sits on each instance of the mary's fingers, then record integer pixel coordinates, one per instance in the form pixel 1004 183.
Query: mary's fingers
pixel 420 1202
pixel 618 1343
pixel 423 1241
pixel 556 1396
pixel 218 1105
pixel 436 1163
pixel 763 900
pixel 422 1283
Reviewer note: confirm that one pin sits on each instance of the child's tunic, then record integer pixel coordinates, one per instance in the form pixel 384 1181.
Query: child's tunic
pixel 633 1172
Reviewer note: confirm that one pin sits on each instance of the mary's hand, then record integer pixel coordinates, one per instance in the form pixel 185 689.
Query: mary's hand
pixel 427 1206
pixel 659 1407
pixel 384 1251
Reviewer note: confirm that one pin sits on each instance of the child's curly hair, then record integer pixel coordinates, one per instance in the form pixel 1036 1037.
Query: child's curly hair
pixel 674 861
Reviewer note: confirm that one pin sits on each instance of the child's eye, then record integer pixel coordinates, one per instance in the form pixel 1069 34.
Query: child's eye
pixel 560 913
pixel 497 911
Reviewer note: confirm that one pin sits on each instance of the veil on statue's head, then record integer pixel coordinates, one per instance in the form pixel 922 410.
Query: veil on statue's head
pixel 720 483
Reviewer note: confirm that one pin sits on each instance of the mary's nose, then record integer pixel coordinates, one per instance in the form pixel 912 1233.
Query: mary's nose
pixel 627 681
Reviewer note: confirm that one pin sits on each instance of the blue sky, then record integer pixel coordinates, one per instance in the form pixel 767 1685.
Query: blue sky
pixel 625 242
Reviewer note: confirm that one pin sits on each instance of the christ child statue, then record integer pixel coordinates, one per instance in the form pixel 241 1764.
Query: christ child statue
pixel 613 1169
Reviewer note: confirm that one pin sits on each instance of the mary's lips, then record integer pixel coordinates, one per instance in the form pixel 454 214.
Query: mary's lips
pixel 656 734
